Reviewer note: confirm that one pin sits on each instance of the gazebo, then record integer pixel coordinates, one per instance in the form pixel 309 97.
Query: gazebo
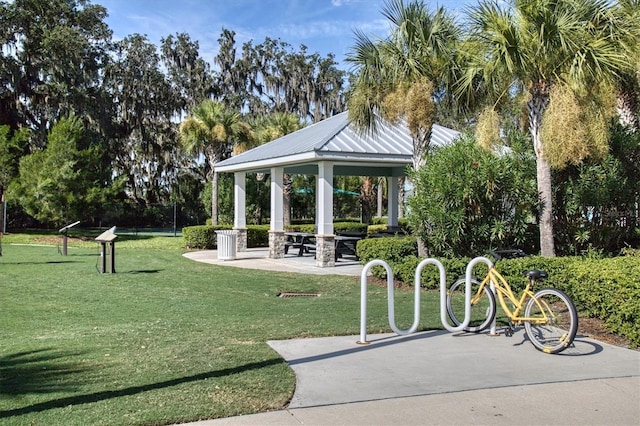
pixel 325 149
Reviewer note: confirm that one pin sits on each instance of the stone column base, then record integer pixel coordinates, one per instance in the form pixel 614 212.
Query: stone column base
pixel 325 251
pixel 276 244
pixel 241 242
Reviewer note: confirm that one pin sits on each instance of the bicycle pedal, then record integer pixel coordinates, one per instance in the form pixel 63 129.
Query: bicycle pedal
pixel 508 332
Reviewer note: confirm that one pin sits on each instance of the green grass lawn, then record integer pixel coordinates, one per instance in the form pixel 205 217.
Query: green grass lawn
pixel 164 339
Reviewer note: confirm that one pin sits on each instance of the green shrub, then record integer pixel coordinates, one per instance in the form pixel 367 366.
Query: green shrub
pixel 467 199
pixel 379 220
pixel 373 229
pixel 349 227
pixel 347 219
pixel 630 252
pixel 338 227
pixel 393 250
pixel 204 236
pixel 513 271
pixel 403 223
pixel 384 229
pixel 608 289
pixel 308 228
pixel 596 201
pixel 201 236
pixel 258 236
pixel 430 276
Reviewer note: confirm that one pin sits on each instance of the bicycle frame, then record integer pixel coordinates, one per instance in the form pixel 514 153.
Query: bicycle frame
pixel 501 287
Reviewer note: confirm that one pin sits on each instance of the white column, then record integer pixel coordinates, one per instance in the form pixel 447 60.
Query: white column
pixel 239 200
pixel 277 197
pixel 324 198
pixel 392 201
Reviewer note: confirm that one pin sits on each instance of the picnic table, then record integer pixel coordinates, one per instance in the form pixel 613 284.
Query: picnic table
pixel 346 245
pixel 302 241
pixel 305 243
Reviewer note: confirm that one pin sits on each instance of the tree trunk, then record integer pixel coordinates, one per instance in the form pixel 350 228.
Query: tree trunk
pixel 422 249
pixel 535 108
pixel 627 105
pixel 380 196
pixel 214 157
pixel 287 187
pixel 546 200
pixel 367 199
pixel 401 196
pixel 214 199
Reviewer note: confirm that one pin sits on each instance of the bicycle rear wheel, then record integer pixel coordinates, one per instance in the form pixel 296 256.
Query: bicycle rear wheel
pixel 483 307
pixel 558 332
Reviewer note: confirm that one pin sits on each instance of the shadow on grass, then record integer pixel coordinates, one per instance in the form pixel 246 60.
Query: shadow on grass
pixel 47 262
pixel 104 395
pixel 144 271
pixel 38 371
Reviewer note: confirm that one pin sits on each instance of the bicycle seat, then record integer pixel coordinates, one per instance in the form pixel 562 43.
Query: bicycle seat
pixel 507 254
pixel 535 274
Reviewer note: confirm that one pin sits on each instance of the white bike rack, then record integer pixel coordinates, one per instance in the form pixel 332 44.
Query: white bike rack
pixel 416 299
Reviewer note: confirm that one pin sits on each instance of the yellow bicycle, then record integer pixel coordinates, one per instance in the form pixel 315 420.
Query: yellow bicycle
pixel 549 315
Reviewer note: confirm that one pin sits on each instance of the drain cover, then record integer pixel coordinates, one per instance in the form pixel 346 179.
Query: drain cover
pixel 285 294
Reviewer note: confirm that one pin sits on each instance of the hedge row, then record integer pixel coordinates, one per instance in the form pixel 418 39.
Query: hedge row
pixel 338 227
pixel 608 289
pixel 204 236
pixel 201 236
pixel 403 223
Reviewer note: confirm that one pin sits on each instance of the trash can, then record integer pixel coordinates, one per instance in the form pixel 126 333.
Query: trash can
pixel 227 240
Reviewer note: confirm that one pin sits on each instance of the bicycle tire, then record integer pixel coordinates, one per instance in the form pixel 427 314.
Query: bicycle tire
pixel 482 313
pixel 558 333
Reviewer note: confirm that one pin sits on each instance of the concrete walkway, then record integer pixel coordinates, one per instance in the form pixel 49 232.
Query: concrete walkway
pixel 257 258
pixel 438 377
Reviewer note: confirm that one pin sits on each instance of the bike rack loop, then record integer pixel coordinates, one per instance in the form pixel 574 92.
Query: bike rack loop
pixel 416 307
pixel 492 286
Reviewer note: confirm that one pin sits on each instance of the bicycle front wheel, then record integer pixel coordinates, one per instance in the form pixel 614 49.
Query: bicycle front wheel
pixel 559 329
pixel 483 306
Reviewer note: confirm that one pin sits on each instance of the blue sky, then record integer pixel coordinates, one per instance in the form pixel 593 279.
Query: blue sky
pixel 324 26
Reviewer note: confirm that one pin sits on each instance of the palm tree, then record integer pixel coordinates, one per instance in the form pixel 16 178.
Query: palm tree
pixel 399 77
pixel 212 130
pixel 534 46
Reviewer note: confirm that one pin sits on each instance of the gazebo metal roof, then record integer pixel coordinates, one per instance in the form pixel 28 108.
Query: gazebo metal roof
pixel 386 152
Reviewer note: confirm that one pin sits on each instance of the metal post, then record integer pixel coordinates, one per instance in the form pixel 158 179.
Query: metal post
pixel 103 257
pixel 113 257
pixel 175 227
pixel 3 230
pixel 4 219
pixel 363 296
